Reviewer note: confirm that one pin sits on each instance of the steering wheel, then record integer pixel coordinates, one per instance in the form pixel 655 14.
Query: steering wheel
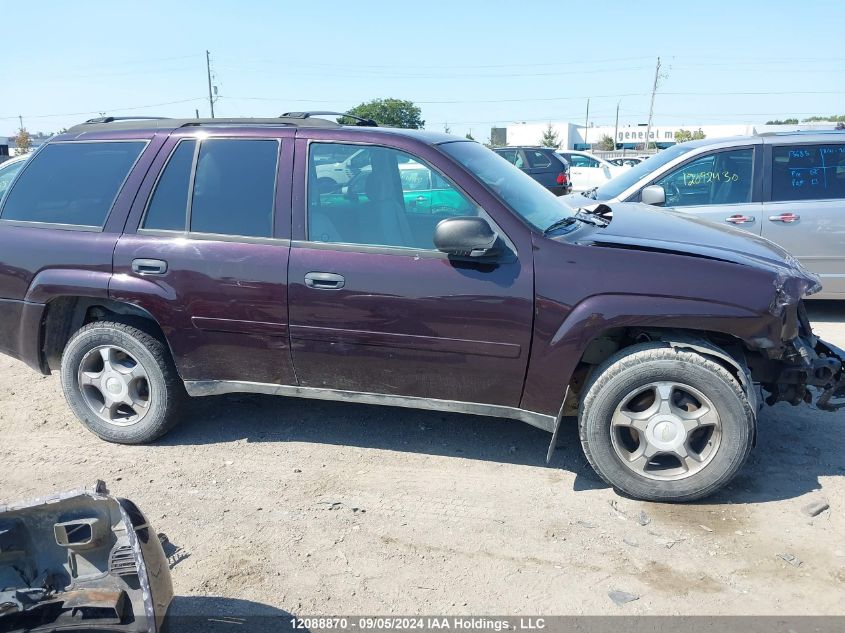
pixel 673 194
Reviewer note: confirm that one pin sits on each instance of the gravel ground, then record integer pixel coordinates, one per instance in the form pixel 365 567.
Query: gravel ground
pixel 308 507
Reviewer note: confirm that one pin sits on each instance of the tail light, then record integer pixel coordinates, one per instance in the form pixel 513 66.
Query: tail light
pixel 561 178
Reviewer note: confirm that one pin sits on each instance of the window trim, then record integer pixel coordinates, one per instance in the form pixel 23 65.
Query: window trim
pixel 85 228
pixel 384 249
pixel 205 235
pixel 768 185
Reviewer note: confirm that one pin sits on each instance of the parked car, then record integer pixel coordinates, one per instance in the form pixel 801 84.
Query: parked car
pixel 789 188
pixel 588 171
pixel 150 260
pixel 8 170
pixel 625 161
pixel 542 164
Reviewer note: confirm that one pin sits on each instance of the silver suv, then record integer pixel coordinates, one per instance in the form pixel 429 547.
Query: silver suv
pixel 789 188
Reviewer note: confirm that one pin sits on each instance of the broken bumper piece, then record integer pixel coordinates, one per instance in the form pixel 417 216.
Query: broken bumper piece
pixel 78 560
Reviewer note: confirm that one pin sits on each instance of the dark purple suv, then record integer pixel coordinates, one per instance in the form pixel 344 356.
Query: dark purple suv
pixel 150 260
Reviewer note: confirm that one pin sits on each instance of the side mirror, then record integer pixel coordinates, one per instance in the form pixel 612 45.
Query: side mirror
pixel 465 237
pixel 654 195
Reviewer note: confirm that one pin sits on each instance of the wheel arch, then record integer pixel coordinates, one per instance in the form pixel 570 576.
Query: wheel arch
pixel 65 315
pixel 603 324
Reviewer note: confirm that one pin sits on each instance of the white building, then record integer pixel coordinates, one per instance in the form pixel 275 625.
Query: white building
pixel 579 137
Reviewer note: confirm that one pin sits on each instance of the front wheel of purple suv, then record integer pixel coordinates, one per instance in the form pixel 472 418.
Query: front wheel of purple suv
pixel 662 424
pixel 121 383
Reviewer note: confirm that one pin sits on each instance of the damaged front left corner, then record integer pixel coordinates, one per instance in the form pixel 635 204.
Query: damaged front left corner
pixel 81 559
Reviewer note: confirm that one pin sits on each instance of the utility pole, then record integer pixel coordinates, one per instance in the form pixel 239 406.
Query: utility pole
pixel 20 119
pixel 616 127
pixel 208 71
pixel 651 109
pixel 587 123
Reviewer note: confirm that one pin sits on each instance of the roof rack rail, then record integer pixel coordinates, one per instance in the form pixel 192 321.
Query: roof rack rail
pixel 360 121
pixel 805 132
pixel 112 119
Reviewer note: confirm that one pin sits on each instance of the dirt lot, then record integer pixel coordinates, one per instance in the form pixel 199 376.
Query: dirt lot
pixel 308 507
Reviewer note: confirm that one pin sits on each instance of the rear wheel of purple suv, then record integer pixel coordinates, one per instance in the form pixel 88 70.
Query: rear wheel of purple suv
pixel 662 424
pixel 121 383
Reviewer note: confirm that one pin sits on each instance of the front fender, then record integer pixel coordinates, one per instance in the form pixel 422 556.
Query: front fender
pixel 562 335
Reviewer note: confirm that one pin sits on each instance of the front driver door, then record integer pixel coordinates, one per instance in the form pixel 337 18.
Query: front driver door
pixel 375 308
pixel 721 187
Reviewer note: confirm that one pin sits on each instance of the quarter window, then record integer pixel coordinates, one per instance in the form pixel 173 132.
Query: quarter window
pixel 394 199
pixel 72 183
pixel 719 178
pixel 808 172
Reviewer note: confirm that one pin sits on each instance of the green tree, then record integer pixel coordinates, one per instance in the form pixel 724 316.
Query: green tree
pixel 606 143
pixel 469 136
pixel 682 136
pixel 835 118
pixel 783 122
pixel 446 128
pixel 388 112
pixel 550 138
pixel 23 141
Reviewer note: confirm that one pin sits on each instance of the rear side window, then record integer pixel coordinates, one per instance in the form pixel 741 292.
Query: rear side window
pixel 538 159
pixel 233 188
pixel 808 172
pixel 71 183
pixel 578 160
pixel 168 207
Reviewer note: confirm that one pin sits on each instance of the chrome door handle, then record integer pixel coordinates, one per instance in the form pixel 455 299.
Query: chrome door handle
pixel 786 218
pixel 740 219
pixel 149 266
pixel 324 281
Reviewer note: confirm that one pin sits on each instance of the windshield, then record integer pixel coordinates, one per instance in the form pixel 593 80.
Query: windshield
pixel 528 198
pixel 616 185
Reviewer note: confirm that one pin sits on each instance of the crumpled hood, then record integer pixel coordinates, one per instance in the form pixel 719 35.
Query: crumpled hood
pixel 637 225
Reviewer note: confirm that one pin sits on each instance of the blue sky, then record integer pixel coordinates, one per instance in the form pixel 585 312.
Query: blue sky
pixel 472 64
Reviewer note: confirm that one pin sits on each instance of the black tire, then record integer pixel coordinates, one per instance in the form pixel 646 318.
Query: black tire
pixel 165 389
pixel 640 365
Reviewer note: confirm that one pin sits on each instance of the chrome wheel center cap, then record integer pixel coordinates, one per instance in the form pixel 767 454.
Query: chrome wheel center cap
pixel 666 432
pixel 114 385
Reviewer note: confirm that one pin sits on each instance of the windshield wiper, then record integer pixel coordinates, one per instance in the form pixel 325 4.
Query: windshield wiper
pixel 579 216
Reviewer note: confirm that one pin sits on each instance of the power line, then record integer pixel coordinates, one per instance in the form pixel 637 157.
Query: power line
pixel 97 111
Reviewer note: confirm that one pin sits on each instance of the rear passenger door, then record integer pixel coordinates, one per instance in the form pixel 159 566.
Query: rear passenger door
pixel 805 208
pixel 206 254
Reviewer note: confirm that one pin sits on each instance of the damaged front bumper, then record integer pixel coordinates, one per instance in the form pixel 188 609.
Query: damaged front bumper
pixel 81 560
pixel 809 370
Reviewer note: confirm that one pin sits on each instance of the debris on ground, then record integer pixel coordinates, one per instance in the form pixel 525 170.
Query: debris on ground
pixel 791 559
pixel 643 519
pixel 816 508
pixel 621 598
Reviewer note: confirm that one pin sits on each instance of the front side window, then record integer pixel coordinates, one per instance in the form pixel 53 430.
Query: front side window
pixel 395 199
pixel 233 193
pixel 72 183
pixel 718 178
pixel 525 196
pixel 808 172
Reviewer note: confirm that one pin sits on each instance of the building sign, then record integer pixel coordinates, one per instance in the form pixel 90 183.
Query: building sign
pixel 638 134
